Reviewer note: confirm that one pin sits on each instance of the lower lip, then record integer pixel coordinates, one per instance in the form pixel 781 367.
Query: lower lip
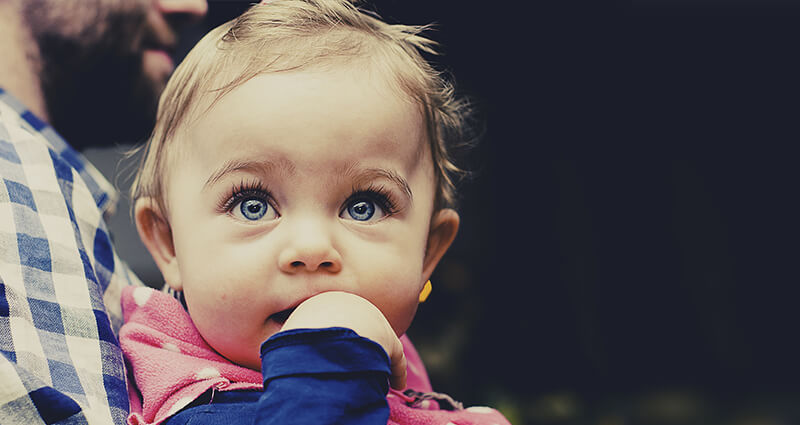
pixel 280 319
pixel 272 327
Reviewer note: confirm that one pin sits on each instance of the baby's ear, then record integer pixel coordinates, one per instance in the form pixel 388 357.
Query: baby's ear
pixel 156 235
pixel 444 227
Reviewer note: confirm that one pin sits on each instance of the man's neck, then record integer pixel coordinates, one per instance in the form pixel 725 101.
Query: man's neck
pixel 19 63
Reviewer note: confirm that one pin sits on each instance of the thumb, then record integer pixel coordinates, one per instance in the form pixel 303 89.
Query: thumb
pixel 398 366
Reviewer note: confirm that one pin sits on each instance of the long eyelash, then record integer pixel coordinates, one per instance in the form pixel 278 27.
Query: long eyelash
pixel 378 194
pixel 241 191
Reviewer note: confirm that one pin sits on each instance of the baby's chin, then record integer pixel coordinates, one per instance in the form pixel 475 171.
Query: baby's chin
pixel 250 356
pixel 250 359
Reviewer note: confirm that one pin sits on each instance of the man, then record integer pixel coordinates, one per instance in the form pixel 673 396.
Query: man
pixel 92 70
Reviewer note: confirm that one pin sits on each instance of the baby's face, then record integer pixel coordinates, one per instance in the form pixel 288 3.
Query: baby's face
pixel 295 184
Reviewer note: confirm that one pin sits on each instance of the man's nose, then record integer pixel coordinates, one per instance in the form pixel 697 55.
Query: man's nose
pixel 182 12
pixel 309 248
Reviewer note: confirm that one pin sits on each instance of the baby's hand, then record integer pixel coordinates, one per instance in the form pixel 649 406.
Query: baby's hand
pixel 342 309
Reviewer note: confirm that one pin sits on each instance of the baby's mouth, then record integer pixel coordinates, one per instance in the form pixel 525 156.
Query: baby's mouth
pixel 281 316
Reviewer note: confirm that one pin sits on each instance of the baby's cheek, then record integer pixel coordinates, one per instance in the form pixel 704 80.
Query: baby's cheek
pixel 400 310
pixel 406 317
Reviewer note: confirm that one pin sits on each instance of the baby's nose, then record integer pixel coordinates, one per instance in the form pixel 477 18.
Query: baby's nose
pixel 312 265
pixel 309 250
pixel 310 260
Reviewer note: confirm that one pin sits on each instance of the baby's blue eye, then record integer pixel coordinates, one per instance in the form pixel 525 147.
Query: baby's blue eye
pixel 361 210
pixel 253 208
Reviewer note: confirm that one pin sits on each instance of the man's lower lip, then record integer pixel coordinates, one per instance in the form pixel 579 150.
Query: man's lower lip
pixel 161 54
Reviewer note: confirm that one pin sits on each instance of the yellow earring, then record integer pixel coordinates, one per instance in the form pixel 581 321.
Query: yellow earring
pixel 426 290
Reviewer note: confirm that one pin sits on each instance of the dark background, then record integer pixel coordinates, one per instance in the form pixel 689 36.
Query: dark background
pixel 629 247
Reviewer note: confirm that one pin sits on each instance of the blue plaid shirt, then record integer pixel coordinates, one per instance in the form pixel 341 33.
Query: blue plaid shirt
pixel 60 281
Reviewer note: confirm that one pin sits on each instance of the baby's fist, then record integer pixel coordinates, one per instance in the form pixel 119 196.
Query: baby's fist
pixel 342 309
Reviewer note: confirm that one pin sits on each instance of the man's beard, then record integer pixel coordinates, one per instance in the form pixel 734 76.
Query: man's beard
pixel 100 102
pixel 90 60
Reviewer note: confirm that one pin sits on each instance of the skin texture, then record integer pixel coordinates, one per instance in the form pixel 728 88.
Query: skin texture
pixel 311 138
pixel 104 59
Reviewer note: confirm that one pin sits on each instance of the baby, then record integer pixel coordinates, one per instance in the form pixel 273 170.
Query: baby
pixel 296 195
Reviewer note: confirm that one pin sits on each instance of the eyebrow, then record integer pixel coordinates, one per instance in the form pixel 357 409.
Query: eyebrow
pixel 244 165
pixel 360 176
pixel 369 174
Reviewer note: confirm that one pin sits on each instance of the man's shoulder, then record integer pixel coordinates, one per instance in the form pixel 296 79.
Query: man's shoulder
pixel 31 151
pixel 24 141
pixel 60 276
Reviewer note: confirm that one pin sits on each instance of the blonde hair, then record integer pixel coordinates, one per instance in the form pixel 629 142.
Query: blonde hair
pixel 284 35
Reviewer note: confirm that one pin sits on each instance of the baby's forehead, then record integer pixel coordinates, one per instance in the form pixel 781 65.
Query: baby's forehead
pixel 369 72
pixel 302 107
pixel 259 91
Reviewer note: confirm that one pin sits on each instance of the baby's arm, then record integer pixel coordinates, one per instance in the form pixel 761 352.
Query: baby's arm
pixel 330 364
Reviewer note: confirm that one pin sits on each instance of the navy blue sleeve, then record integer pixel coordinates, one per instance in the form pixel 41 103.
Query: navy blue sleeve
pixel 323 376
pixel 311 376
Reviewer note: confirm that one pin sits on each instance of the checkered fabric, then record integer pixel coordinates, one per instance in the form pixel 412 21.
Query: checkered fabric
pixel 60 281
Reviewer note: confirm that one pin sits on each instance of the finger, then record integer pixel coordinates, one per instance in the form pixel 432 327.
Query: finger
pixel 398 368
